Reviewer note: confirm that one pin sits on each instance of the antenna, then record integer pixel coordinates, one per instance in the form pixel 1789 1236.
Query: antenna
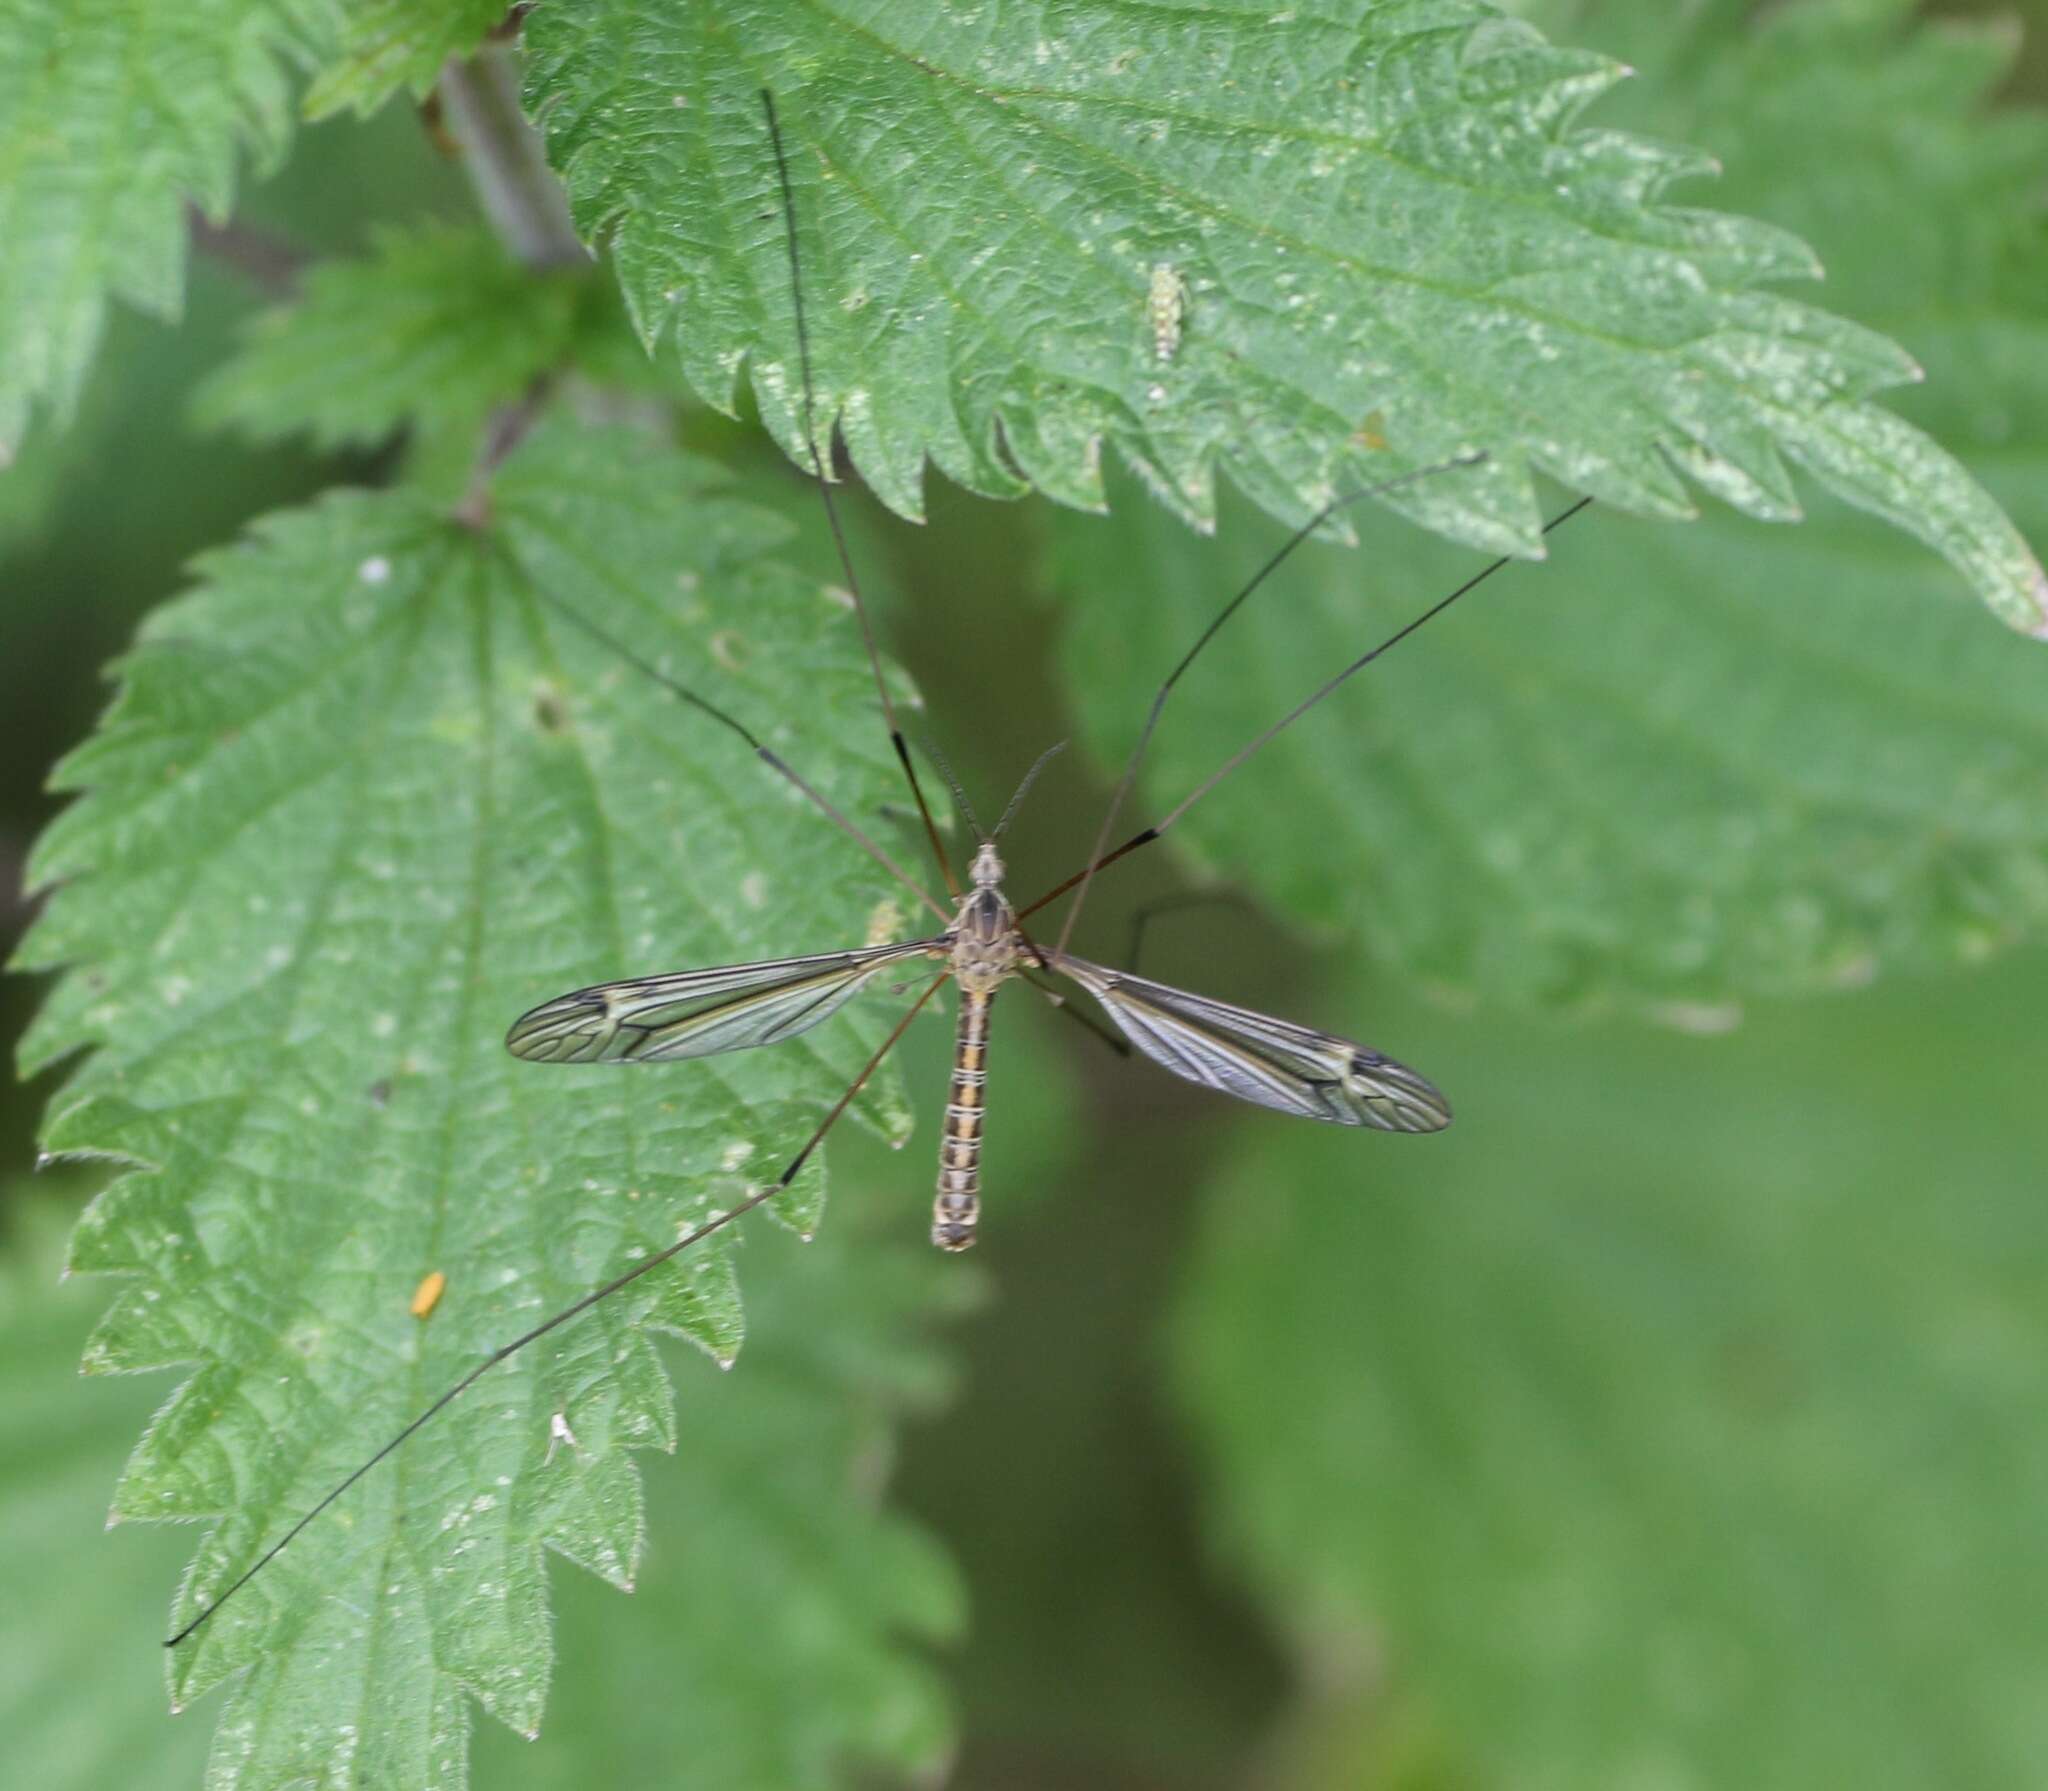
pixel 1030 777
pixel 953 783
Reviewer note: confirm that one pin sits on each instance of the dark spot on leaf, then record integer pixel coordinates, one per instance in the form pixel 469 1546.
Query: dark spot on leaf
pixel 380 1092
pixel 549 713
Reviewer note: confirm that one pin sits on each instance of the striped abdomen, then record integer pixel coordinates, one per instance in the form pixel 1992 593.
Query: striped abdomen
pixel 958 1206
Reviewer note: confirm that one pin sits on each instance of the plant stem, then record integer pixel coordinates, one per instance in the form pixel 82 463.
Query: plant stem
pixel 505 430
pixel 269 263
pixel 506 163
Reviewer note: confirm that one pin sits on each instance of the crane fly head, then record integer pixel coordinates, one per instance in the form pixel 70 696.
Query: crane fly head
pixel 987 869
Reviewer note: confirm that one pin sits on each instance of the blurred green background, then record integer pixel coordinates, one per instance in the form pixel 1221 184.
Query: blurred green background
pixel 1676 1420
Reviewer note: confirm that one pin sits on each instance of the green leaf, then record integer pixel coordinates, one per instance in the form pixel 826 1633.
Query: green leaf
pixel 1926 203
pixel 1386 238
pixel 1673 1419
pixel 1668 771
pixel 392 46
pixel 1642 775
pixel 112 117
pixel 760 1650
pixel 765 1648
pixel 435 322
pixel 364 797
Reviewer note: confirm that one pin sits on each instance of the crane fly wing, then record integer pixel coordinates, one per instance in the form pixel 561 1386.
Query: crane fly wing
pixel 1272 1063
pixel 697 1013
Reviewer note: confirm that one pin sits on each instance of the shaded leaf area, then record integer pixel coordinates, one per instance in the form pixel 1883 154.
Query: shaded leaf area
pixel 112 117
pixel 364 797
pixel 80 1689
pixel 750 1655
pixel 33 489
pixel 1672 1420
pixel 133 412
pixel 1666 770
pixel 1639 775
pixel 385 47
pixel 1317 247
pixel 434 323
pixel 1136 1662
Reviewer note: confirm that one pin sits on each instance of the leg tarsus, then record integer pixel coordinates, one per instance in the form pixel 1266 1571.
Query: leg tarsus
pixel 1147 912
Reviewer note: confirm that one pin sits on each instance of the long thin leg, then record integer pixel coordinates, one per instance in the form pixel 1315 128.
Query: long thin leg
pixel 717 1222
pixel 1147 912
pixel 860 608
pixel 1146 835
pixel 766 754
pixel 1130 775
pixel 1033 974
pixel 1087 1021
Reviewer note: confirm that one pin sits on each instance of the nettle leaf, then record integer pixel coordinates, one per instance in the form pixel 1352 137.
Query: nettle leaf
pixel 365 797
pixel 761 1649
pixel 112 117
pixel 1927 203
pixel 435 322
pixel 393 46
pixel 1673 1419
pixel 1316 250
pixel 764 1650
pixel 1671 771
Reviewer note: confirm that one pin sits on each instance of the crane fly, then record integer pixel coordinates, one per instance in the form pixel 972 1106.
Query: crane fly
pixel 695 1013
pixel 981 944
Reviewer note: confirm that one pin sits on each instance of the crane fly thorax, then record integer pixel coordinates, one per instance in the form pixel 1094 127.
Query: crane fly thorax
pixel 984 932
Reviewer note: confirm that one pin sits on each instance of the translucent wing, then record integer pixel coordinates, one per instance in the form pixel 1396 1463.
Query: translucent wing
pixel 1293 1069
pixel 696 1013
